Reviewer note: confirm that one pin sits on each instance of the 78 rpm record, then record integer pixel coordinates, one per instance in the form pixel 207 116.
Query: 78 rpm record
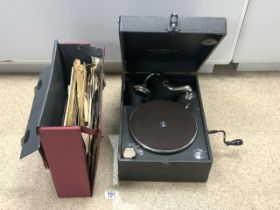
pixel 163 126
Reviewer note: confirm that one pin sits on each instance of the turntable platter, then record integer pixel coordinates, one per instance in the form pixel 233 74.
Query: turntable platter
pixel 163 126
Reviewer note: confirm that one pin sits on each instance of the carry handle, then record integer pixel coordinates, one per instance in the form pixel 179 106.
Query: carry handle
pixel 173 23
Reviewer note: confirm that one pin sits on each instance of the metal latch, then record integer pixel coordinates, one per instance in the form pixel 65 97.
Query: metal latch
pixel 104 82
pixel 25 138
pixel 38 86
pixel 173 23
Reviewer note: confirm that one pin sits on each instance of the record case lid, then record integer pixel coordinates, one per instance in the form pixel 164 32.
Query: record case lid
pixel 175 43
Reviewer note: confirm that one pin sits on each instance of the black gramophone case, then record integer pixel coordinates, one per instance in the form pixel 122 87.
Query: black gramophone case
pixel 176 47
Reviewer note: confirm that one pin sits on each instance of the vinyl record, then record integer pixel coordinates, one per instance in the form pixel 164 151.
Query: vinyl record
pixel 163 126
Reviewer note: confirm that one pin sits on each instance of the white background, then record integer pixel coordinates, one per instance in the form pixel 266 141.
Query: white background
pixel 260 37
pixel 29 27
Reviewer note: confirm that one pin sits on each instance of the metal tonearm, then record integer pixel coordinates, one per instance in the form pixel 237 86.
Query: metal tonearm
pixel 143 90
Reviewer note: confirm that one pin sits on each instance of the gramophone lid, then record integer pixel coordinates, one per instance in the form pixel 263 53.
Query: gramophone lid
pixel 168 44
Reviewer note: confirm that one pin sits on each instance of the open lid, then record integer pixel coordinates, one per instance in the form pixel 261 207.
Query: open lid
pixel 51 91
pixel 174 44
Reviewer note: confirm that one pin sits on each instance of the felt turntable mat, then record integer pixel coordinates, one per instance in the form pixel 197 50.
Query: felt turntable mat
pixel 163 126
pixel 246 105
